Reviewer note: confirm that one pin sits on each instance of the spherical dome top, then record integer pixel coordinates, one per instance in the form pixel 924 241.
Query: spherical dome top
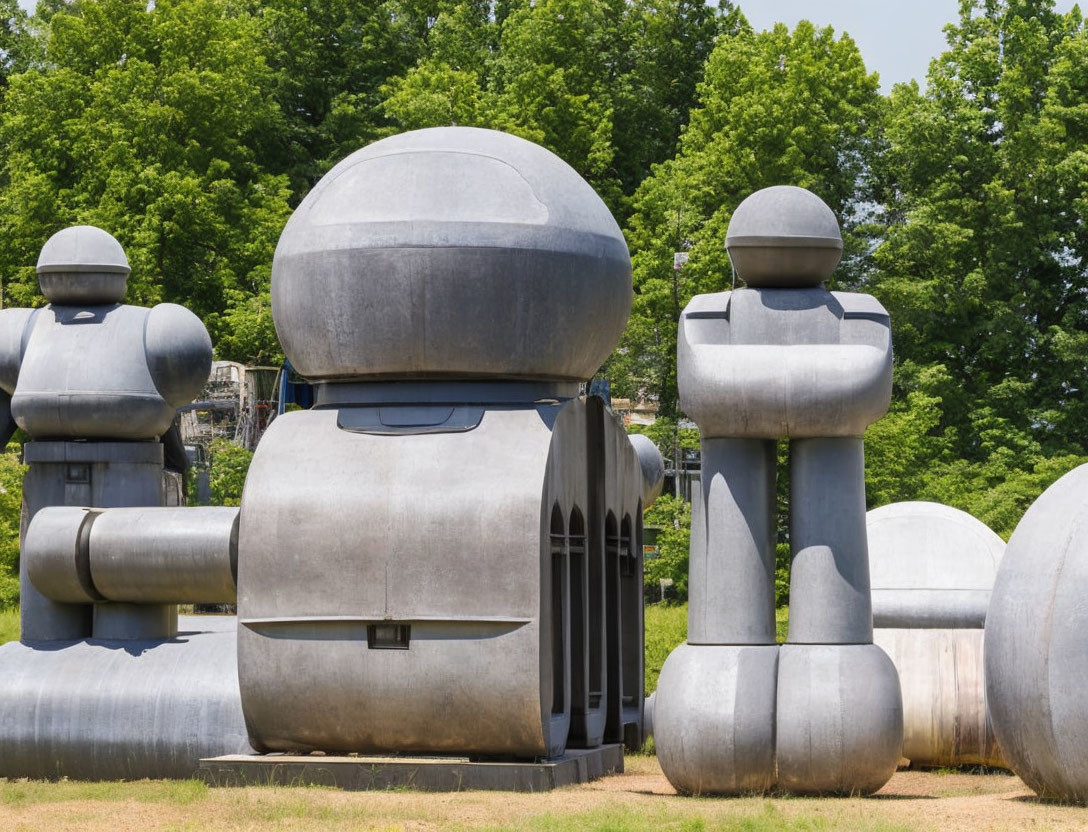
pixel 784 237
pixel 930 565
pixel 451 252
pixel 82 264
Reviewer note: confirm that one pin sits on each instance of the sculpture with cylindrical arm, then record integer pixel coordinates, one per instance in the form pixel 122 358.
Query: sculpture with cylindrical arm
pixel 781 359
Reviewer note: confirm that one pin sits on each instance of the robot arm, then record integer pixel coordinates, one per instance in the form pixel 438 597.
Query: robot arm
pixel 14 331
pixel 767 391
pixel 179 352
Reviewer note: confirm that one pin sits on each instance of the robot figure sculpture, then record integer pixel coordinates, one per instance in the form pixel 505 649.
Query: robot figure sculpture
pixel 101 685
pixel 783 358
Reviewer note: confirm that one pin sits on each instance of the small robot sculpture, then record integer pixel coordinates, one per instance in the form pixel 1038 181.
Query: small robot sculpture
pixel 101 686
pixel 781 359
pixel 96 384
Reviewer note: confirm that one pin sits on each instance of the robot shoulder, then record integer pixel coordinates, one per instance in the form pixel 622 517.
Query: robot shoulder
pixel 179 352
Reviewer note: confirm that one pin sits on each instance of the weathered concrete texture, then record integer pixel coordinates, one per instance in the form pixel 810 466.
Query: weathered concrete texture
pixel 731 562
pixel 502 584
pixel 714 718
pixel 491 256
pixel 945 718
pixel 783 237
pixel 136 555
pixel 839 724
pixel 81 265
pixel 110 710
pixel 428 774
pixel 784 360
pixel 653 468
pixel 776 363
pixel 933 568
pixel 1036 661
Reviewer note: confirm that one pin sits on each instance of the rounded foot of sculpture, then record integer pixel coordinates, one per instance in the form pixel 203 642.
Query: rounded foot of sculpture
pixel 840 718
pixel 714 719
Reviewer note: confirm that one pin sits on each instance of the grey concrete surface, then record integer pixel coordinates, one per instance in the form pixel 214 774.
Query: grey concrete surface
pixel 933 568
pixel 714 718
pixel 429 774
pixel 731 575
pixel 783 359
pixel 783 237
pixel 98 689
pixel 440 220
pixel 653 468
pixel 83 265
pixel 110 710
pixel 829 565
pixel 839 718
pixel 1036 662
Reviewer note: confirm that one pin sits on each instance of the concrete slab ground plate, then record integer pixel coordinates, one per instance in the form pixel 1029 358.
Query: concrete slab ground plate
pixel 431 774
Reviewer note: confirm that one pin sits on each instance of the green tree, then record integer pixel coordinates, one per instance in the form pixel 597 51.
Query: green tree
pixel 11 501
pixel 981 263
pixel 330 59
pixel 228 465
pixel 775 107
pixel 150 122
pixel 607 86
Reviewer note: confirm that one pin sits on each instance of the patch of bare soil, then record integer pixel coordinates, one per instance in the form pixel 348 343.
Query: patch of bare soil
pixel 641 797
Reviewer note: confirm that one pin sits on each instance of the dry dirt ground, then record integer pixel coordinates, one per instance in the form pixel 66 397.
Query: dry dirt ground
pixel 640 799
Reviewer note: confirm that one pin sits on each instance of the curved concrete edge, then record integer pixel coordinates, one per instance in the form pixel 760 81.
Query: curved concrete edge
pixel 100 710
pixel 1035 656
pixel 714 719
pixel 839 719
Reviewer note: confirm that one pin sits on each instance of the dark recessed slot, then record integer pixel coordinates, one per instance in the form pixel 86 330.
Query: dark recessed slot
pixel 78 473
pixel 388 636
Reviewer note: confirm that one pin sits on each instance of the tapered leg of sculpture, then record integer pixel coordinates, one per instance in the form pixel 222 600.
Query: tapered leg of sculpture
pixel 829 573
pixel 840 711
pixel 714 712
pixel 731 582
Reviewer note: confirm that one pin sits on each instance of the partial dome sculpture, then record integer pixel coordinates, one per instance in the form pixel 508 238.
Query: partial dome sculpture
pixel 449 253
pixel 932 569
pixel 1036 660
pixel 83 265
pixel 783 237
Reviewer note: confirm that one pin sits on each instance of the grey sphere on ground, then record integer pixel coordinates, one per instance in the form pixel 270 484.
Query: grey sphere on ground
pixel 1036 653
pixel 783 237
pixel 83 265
pixel 449 253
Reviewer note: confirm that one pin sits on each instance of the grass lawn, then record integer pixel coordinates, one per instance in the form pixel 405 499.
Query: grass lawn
pixel 667 626
pixel 640 800
pixel 9 625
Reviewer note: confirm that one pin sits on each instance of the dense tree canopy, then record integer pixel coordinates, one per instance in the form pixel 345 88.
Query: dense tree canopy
pixel 190 128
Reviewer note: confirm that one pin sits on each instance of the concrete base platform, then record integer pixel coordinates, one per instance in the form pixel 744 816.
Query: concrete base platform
pixel 429 774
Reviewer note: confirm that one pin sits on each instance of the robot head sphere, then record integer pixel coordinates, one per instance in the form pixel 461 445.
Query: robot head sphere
pixel 451 253
pixel 783 237
pixel 83 265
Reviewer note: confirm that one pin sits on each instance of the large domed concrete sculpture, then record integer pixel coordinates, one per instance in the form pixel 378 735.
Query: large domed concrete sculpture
pixel 781 359
pixel 1036 658
pixel 932 570
pixel 100 685
pixel 445 553
pixel 461 532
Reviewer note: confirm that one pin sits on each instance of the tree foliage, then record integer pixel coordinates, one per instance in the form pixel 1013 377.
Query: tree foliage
pixel 190 128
